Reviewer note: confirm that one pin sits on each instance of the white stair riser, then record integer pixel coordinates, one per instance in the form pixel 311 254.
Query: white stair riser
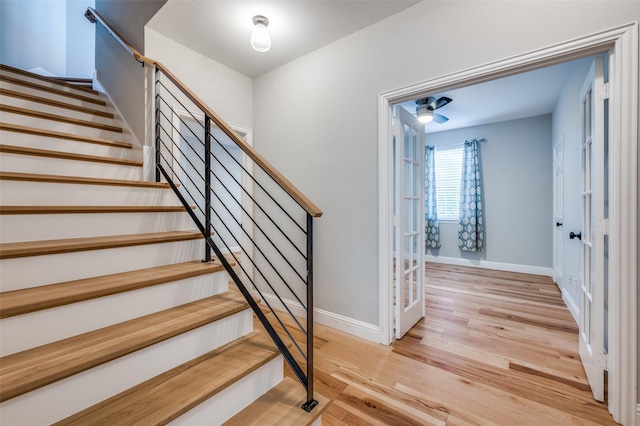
pixel 38 227
pixel 52 109
pixel 62 167
pixel 27 331
pixel 56 268
pixel 15 193
pixel 58 126
pixel 226 403
pixel 68 396
pixel 57 97
pixel 64 145
pixel 44 83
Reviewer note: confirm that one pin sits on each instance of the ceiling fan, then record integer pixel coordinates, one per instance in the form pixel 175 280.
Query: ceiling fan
pixel 427 105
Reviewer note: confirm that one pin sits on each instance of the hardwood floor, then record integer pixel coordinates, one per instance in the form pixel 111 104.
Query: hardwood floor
pixel 495 348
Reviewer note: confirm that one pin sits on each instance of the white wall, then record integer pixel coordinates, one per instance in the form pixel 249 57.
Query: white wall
pixel 80 40
pixel 566 124
pixel 316 117
pixel 227 92
pixel 517 181
pixel 49 34
pixel 118 72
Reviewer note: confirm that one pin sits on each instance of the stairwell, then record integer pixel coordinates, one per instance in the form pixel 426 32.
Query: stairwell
pixel 107 313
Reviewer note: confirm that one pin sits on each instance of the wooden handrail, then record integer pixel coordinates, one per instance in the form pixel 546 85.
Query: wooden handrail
pixel 288 187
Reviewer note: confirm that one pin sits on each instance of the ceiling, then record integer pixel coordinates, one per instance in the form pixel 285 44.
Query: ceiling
pixel 523 95
pixel 220 29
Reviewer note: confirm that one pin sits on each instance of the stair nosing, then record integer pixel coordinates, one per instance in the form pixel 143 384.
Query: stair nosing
pixel 32 369
pixel 59 118
pixel 63 155
pixel 71 245
pixel 53 103
pixel 35 210
pixel 61 135
pixel 54 80
pixel 260 350
pixel 53 90
pixel 20 302
pixel 79 180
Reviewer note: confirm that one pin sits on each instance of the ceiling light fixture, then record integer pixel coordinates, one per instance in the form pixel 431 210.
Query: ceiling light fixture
pixel 425 115
pixel 260 39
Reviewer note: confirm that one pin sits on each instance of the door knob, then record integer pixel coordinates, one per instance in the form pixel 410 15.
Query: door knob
pixel 573 235
pixel 558 223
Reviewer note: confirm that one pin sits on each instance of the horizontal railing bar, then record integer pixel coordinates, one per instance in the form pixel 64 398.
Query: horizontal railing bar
pixel 289 188
pixel 254 306
pixel 236 161
pixel 284 327
pixel 260 250
pixel 176 149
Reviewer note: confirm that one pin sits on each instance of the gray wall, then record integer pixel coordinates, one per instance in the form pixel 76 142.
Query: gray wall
pixel 120 75
pixel 53 35
pixel 316 118
pixel 517 183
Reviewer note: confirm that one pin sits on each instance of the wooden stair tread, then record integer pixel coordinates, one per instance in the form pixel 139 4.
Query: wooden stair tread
pixel 39 248
pixel 77 96
pixel 60 118
pixel 28 370
pixel 280 406
pixel 89 209
pixel 61 135
pixel 62 155
pixel 19 302
pixel 54 103
pixel 167 396
pixel 62 81
pixel 35 177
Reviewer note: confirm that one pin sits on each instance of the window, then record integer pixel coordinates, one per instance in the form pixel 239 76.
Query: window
pixel 448 177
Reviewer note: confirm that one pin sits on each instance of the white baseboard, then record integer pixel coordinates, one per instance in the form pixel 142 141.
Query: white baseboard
pixel 486 264
pixel 637 414
pixel 573 308
pixel 339 322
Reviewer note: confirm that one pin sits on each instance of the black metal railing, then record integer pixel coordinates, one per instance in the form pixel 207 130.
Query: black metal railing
pixel 255 222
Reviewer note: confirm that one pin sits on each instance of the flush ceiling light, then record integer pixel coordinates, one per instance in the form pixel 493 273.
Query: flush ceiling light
pixel 425 115
pixel 260 39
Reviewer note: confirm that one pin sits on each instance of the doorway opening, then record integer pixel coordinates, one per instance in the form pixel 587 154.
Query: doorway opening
pixel 621 43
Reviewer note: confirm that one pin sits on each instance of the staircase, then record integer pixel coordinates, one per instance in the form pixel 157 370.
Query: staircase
pixel 107 314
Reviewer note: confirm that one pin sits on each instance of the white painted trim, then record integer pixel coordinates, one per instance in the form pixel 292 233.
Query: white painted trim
pixel 339 322
pixel 637 415
pixel 385 221
pixel 623 230
pixel 622 42
pixel 573 308
pixel 487 264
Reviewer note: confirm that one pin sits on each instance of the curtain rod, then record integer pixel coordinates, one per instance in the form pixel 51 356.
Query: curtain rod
pixel 477 140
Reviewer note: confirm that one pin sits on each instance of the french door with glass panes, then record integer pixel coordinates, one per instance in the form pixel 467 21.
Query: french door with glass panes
pixel 409 221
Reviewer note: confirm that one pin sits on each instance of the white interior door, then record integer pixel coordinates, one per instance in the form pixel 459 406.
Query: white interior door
pixel 409 221
pixel 558 210
pixel 594 227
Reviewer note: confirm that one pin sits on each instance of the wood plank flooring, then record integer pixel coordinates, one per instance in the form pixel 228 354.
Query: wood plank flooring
pixel 495 348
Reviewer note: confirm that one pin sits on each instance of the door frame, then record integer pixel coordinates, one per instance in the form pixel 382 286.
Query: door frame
pixel 622 45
